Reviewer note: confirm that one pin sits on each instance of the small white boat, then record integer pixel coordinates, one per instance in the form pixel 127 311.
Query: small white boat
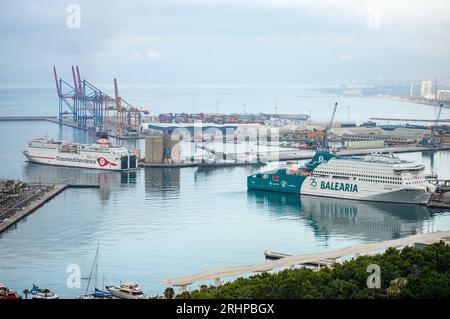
pixel 37 293
pixel 127 291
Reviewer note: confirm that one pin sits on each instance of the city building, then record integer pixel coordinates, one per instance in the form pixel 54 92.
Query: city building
pixel 400 135
pixel 444 95
pixel 426 90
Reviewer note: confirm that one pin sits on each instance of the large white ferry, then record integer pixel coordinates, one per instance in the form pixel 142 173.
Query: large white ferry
pixel 102 155
pixel 382 178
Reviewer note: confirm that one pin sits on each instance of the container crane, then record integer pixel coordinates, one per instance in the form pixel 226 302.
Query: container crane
pixel 326 133
pixel 128 117
pixel 434 130
pixel 90 107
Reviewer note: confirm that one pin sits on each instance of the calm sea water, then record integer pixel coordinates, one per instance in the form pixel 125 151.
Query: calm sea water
pixel 289 99
pixel 160 223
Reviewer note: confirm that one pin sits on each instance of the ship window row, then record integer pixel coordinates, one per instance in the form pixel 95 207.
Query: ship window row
pixel 361 164
pixel 379 181
pixel 415 182
pixel 364 169
pixel 45 147
pixel 359 175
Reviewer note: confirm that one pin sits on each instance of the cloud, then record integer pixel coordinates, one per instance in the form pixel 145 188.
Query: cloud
pixel 346 57
pixel 152 54
pixel 226 41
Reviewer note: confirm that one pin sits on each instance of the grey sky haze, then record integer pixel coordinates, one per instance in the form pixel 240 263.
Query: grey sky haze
pixel 225 42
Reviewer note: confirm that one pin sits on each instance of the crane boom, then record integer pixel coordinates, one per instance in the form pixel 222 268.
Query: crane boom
pixel 439 111
pixel 117 97
pixel 434 129
pixel 328 128
pixel 58 90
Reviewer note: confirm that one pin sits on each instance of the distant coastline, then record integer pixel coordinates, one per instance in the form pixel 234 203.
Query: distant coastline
pixel 398 98
pixel 407 100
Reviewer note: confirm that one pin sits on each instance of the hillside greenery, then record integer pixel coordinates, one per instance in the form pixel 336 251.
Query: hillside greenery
pixel 408 273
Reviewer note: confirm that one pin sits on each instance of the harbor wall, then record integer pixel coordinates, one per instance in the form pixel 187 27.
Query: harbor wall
pixel 31 207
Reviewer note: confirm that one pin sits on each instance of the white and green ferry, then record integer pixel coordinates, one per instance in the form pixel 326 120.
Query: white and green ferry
pixel 377 177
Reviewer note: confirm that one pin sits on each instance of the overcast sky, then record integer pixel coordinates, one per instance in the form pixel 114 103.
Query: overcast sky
pixel 224 41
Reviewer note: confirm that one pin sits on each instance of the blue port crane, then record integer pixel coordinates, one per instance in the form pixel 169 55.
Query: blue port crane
pixel 84 102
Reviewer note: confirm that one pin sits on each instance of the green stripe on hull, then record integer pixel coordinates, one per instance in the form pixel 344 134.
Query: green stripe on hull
pixel 277 181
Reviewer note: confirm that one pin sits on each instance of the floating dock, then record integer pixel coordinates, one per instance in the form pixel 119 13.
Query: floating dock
pixel 331 256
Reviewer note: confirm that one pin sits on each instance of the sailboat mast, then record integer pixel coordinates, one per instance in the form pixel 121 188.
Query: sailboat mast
pixel 94 265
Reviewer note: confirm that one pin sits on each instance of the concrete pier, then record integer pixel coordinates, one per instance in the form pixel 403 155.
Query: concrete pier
pixel 23 211
pixel 31 207
pixel 28 118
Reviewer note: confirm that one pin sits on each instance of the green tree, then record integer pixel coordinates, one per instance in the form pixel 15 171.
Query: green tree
pixel 396 288
pixel 46 291
pixel 169 293
pixel 26 292
pixel 407 273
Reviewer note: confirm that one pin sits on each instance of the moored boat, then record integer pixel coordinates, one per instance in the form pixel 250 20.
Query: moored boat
pixel 6 293
pixel 97 294
pixel 127 291
pixel 38 293
pixel 101 155
pixel 381 178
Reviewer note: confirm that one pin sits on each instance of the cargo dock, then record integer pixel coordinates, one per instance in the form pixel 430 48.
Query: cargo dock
pixel 54 119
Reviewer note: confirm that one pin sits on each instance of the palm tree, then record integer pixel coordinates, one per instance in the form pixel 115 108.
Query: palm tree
pixel 169 293
pixel 45 291
pixel 396 288
pixel 26 292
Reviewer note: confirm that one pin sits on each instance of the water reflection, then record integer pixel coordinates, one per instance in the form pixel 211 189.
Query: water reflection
pixel 38 173
pixel 161 179
pixel 370 221
pixel 429 155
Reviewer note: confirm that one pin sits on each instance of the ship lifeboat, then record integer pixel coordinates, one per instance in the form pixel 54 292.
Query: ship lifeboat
pixel 104 141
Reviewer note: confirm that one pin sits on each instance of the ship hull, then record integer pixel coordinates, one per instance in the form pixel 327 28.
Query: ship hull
pixel 279 181
pixel 103 162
